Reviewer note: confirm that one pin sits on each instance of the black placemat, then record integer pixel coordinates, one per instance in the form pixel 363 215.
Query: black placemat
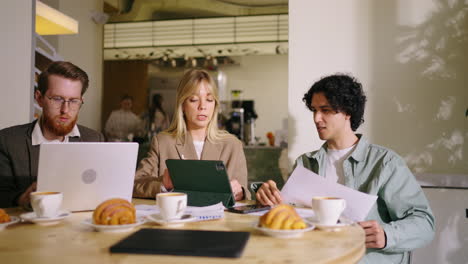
pixel 184 243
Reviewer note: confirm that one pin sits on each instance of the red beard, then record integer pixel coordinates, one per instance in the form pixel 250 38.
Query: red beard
pixel 56 127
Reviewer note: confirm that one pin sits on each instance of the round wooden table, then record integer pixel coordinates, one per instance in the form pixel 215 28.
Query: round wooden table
pixel 72 242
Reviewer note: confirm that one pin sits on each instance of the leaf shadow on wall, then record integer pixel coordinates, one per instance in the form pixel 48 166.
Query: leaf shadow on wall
pixel 425 90
pixel 429 97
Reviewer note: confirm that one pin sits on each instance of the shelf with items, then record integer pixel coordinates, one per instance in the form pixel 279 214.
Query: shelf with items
pixel 45 54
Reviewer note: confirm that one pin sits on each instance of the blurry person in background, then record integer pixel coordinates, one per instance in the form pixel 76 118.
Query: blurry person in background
pixel 123 124
pixel 60 94
pixel 156 120
pixel 193 134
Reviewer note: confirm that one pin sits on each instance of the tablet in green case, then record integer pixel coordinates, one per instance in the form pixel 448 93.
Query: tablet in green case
pixel 204 181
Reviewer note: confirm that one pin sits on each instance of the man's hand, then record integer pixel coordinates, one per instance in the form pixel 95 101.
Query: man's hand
pixel 268 194
pixel 24 199
pixel 167 181
pixel 237 190
pixel 375 235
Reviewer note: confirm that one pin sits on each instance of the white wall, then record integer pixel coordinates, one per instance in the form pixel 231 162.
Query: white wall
pixel 264 79
pixel 325 37
pixel 450 242
pixel 16 29
pixel 85 50
pixel 411 58
pixel 417 95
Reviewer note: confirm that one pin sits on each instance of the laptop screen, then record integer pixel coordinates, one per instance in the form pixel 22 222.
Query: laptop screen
pixel 87 172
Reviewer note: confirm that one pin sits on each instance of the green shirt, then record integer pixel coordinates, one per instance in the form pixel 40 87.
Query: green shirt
pixel 401 208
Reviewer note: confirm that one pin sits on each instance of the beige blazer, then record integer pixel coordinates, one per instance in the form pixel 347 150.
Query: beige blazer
pixel 163 146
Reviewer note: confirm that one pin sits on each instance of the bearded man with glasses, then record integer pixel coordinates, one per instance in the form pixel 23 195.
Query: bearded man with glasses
pixel 60 94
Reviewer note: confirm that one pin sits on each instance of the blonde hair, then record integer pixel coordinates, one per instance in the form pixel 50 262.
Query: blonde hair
pixel 189 85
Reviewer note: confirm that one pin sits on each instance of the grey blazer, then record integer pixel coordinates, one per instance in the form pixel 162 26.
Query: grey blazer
pixel 163 146
pixel 19 159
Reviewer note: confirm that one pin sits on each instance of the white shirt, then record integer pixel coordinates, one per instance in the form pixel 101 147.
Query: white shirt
pixel 334 168
pixel 38 138
pixel 120 124
pixel 198 147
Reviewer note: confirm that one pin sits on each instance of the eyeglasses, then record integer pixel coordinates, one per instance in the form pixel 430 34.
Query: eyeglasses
pixel 58 102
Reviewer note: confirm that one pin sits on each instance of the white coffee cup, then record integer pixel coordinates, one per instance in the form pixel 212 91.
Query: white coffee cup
pixel 171 205
pixel 328 209
pixel 46 204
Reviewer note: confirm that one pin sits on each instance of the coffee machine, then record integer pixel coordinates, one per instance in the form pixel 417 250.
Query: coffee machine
pixel 241 122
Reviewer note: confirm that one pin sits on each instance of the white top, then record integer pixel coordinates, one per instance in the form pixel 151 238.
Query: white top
pixel 121 124
pixel 38 138
pixel 334 168
pixel 198 147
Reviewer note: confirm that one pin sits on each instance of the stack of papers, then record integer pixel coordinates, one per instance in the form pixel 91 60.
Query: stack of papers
pixel 210 212
pixel 214 211
pixel 303 184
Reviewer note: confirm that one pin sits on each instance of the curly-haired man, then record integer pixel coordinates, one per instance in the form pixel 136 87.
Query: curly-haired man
pixel 401 220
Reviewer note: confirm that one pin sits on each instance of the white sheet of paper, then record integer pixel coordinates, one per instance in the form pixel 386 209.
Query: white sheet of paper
pixel 303 184
pixel 214 211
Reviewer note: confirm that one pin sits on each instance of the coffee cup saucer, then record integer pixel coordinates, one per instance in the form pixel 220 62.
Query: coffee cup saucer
pixel 114 228
pixel 342 222
pixel 45 221
pixel 13 220
pixel 157 218
pixel 283 233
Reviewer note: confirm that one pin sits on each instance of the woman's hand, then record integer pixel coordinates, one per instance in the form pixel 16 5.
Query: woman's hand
pixel 167 181
pixel 237 190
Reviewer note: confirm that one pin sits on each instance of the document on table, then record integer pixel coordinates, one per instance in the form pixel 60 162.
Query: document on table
pixel 210 212
pixel 304 184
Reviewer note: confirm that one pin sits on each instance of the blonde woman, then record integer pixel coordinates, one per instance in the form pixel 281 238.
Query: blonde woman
pixel 193 134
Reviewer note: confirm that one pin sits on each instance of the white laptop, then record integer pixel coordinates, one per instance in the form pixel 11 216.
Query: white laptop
pixel 87 173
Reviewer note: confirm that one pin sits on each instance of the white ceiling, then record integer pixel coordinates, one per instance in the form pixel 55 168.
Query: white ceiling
pixel 149 10
pixel 145 10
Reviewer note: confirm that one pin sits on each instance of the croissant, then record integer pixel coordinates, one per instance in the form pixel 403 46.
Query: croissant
pixel 4 217
pixel 114 211
pixel 282 216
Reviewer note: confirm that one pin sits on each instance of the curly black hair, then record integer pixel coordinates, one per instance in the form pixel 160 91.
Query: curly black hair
pixel 345 95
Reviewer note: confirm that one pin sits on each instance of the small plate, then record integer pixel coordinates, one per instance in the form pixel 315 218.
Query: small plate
pixel 284 233
pixel 13 220
pixel 31 217
pixel 157 218
pixel 114 228
pixel 341 223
